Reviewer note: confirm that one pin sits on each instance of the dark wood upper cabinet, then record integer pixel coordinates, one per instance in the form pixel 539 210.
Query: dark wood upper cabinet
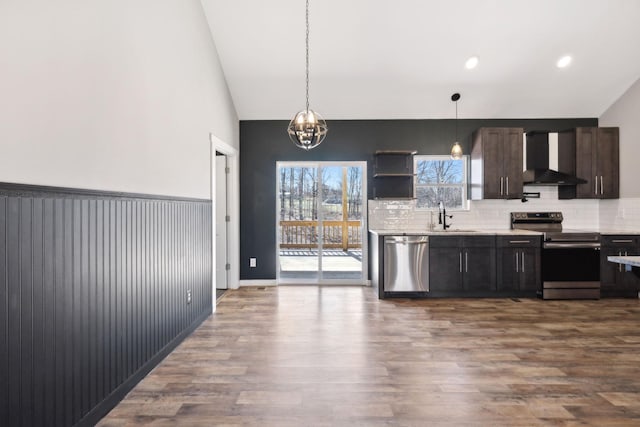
pixel 607 162
pixel 496 163
pixel 593 154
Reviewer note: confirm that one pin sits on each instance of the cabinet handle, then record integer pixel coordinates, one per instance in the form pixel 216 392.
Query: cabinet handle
pixel 466 262
pixel 522 262
pixel 507 186
pixel 460 262
pixel 596 188
pixel 519 241
pixel 620 265
pixel 517 268
pixel 601 185
pixel 501 185
pixel 622 241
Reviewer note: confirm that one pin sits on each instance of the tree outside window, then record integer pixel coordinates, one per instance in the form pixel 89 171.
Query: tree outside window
pixel 441 179
pixel 299 193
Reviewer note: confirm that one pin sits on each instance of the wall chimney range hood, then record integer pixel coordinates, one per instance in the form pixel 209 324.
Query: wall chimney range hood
pixel 538 171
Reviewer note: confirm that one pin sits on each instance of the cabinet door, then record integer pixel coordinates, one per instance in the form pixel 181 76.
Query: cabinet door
pixel 607 163
pixel 513 146
pixel 585 162
pixel 608 270
pixel 479 267
pixel 615 281
pixel 508 269
pixel 493 160
pixel 445 269
pixel 627 281
pixel 530 269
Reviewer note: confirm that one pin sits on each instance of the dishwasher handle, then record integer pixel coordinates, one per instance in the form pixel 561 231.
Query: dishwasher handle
pixel 406 240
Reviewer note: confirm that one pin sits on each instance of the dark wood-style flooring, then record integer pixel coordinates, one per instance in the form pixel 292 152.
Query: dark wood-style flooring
pixel 331 356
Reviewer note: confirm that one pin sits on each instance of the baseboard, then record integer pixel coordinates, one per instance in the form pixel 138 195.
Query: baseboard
pixel 267 282
pixel 104 407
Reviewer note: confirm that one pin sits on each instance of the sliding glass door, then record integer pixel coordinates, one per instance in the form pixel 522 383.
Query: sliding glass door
pixel 321 229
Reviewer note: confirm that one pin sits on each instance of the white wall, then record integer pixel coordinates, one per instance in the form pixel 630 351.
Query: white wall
pixel 117 95
pixel 624 214
pixel 624 114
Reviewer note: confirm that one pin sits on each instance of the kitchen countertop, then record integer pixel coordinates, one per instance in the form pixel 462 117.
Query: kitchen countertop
pixel 454 232
pixel 633 261
pixel 609 232
pixel 499 232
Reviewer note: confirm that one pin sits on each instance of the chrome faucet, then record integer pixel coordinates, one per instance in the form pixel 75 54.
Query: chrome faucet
pixel 442 216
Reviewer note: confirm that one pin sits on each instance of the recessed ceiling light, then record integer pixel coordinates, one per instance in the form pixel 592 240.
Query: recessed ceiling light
pixel 564 61
pixel 471 63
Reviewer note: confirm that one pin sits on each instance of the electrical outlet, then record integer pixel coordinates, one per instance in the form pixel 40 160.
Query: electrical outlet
pixel 188 296
pixel 252 262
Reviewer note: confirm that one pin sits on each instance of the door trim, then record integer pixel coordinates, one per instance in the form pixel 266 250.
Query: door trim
pixel 233 209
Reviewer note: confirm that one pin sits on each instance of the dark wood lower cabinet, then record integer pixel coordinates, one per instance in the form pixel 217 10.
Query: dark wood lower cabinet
pixel 519 266
pixel 474 265
pixel 479 272
pixel 507 266
pixel 445 272
pixel 462 265
pixel 615 281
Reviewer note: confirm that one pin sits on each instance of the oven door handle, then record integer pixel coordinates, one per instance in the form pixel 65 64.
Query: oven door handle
pixel 571 245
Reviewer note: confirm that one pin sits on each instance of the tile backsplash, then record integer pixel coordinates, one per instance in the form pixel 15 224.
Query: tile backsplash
pixel 619 214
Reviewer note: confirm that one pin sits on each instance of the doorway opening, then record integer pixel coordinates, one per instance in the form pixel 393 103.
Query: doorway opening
pixel 222 219
pixel 321 222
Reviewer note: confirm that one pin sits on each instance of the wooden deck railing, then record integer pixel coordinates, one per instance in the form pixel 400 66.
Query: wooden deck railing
pixel 336 234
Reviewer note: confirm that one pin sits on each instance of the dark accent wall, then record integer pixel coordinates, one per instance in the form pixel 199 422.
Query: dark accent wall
pixel 92 296
pixel 265 142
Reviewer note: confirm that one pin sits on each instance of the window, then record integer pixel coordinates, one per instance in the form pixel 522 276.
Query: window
pixel 441 179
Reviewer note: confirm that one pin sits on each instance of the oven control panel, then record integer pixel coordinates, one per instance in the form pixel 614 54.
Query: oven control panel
pixel 536 217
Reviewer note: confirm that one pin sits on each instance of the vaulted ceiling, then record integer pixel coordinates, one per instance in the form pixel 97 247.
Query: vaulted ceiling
pixel 402 59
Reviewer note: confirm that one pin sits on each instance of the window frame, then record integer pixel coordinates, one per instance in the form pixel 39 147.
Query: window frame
pixel 464 185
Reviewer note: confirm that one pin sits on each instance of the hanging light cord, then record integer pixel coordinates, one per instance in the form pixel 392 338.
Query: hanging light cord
pixel 307 56
pixel 307 129
pixel 456 121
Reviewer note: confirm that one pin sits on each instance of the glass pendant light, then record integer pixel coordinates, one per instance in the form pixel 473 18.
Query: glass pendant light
pixel 456 150
pixel 307 129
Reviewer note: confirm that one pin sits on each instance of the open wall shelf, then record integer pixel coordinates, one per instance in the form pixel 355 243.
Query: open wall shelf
pixel 394 175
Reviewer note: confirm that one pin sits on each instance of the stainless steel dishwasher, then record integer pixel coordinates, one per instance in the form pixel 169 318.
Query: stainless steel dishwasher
pixel 406 264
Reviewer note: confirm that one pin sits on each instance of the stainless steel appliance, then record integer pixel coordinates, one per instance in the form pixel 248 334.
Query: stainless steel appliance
pixel 570 258
pixel 406 263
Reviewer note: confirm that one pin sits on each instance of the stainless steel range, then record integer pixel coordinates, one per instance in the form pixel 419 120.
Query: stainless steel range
pixel 570 258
